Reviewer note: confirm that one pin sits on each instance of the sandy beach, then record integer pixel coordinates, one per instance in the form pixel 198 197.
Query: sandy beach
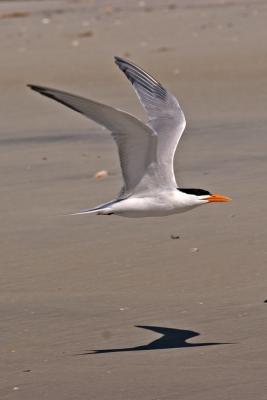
pixel 109 308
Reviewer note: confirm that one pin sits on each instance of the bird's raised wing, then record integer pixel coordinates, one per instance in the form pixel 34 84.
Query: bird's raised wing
pixel 165 117
pixel 136 141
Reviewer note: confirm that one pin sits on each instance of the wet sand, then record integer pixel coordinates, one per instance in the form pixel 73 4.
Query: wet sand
pixel 75 289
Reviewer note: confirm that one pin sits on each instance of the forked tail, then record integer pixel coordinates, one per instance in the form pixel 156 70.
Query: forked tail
pixel 102 209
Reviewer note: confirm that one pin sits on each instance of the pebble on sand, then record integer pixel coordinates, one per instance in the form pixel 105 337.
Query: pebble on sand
pixel 163 49
pixel 86 34
pixel 141 3
pixel 85 23
pixel 15 14
pixel 46 21
pixel 75 43
pixel 176 71
pixel 194 249
pixel 174 236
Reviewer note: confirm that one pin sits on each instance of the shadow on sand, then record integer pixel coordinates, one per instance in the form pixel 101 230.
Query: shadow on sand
pixel 171 339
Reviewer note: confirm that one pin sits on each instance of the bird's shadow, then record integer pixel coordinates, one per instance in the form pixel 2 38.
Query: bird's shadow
pixel 171 339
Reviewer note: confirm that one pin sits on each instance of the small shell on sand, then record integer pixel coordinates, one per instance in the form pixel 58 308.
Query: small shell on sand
pixel 101 174
pixel 194 249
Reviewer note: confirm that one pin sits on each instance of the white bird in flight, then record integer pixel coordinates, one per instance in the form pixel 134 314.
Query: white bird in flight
pixel 146 151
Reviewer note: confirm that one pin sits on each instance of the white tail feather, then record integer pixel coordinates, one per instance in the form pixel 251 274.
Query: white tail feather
pixel 86 212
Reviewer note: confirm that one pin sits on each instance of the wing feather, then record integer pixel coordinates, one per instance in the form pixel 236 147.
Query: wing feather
pixel 165 117
pixel 136 141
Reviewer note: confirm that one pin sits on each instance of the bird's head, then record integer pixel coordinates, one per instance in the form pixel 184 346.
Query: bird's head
pixel 201 196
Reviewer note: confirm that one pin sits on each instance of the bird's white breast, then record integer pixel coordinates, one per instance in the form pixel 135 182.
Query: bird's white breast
pixel 158 205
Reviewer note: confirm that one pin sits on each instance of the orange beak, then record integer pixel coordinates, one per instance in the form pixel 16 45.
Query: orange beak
pixel 218 198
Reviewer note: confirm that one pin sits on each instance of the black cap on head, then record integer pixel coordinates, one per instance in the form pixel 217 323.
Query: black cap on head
pixel 196 192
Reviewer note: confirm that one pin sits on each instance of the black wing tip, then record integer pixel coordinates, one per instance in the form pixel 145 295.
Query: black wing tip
pixel 37 88
pixel 119 59
pixel 29 85
pixel 122 63
pixel 137 74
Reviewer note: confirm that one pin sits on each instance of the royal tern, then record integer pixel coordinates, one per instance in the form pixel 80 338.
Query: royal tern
pixel 146 151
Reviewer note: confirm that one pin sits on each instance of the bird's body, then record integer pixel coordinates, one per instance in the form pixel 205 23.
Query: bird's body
pixel 146 151
pixel 153 205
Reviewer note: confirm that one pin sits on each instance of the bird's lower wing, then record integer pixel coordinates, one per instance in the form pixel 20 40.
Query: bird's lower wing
pixel 136 141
